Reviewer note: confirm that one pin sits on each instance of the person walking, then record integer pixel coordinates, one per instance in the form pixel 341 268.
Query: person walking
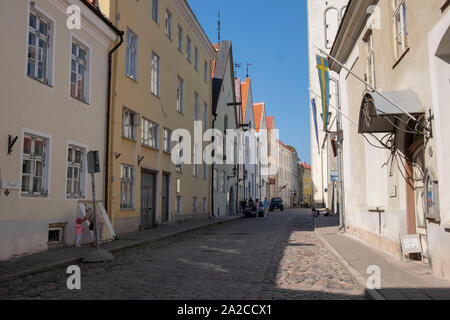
pixel 266 208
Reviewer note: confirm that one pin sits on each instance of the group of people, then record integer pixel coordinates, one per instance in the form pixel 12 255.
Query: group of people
pixel 257 205
pixel 79 229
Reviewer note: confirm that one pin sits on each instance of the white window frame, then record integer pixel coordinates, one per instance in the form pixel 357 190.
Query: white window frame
pixel 400 10
pixel 131 125
pixel 206 69
pixel 167 141
pixel 179 204
pixel 370 54
pixel 87 69
pixel 196 58
pixel 205 204
pixel 180 38
pixel 180 95
pixel 205 171
pixel 149 134
pixel 216 180
pixel 46 164
pixel 169 24
pixel 131 51
pixel 222 181
pixel 156 74
pixel 49 38
pixel 188 48
pixel 196 106
pixel 155 11
pixel 195 204
pixel 205 117
pixel 127 176
pixel 82 170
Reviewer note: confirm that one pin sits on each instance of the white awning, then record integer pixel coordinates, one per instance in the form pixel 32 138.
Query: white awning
pixel 377 115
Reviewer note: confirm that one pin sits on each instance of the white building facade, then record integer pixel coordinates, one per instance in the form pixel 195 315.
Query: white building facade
pixel 53 109
pixel 324 18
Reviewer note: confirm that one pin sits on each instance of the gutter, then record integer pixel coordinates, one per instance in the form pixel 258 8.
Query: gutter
pixel 108 118
pixel 120 34
pixel 212 171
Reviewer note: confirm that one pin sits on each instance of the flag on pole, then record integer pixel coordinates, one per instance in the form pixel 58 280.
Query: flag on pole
pixel 314 109
pixel 324 79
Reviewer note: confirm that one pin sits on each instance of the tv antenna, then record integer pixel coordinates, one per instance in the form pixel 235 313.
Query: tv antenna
pixel 219 26
pixel 248 65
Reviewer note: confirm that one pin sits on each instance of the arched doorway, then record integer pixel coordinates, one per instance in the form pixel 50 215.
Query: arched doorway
pixel 415 188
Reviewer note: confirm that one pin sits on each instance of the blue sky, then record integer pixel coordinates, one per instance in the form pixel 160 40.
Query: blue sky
pixel 276 43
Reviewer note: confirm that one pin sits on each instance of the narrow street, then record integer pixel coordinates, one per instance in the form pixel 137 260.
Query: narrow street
pixel 279 258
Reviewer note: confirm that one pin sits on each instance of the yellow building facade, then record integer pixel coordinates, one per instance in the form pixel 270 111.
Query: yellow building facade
pixel 161 83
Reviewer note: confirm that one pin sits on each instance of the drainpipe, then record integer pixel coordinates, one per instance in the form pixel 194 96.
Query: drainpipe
pixel 108 115
pixel 212 170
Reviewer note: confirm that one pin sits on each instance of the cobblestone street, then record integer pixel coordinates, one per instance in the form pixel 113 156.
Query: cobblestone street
pixel 279 258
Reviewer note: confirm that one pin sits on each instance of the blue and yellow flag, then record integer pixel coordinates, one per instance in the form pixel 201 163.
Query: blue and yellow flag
pixel 324 79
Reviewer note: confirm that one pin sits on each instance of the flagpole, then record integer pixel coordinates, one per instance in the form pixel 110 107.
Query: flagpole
pixel 367 84
pixel 347 117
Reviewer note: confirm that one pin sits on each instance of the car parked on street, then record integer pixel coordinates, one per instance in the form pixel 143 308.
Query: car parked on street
pixel 276 203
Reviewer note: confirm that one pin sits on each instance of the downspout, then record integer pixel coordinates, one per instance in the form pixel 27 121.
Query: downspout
pixel 108 116
pixel 212 169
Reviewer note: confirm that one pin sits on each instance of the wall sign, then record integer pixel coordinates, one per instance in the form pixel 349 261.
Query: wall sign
pixel 10 185
pixel 411 244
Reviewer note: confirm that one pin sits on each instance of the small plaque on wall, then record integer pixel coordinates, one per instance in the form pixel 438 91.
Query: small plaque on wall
pixel 393 192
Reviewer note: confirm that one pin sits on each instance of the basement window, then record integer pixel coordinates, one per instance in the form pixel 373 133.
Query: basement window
pixel 56 235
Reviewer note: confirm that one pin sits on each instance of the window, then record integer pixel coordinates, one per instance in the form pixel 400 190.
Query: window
pixel 180 95
pixel 195 205
pixel 205 72
pixel 167 141
pixel 180 38
pixel 215 180
pixel 79 74
pixel 205 204
pixel 188 49
pixel 127 181
pixel 222 181
pixel 131 55
pixel 332 17
pixel 130 120
pixel 39 47
pixel 34 166
pixel 75 172
pixel 205 171
pixel 196 159
pixel 179 205
pixel 179 166
pixel 155 83
pixel 205 117
pixel 169 24
pixel 400 27
pixel 370 60
pixel 196 107
pixel 196 58
pixel 155 11
pixel 149 134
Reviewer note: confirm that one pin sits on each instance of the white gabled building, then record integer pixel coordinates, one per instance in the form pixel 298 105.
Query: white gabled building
pixel 53 111
pixel 225 118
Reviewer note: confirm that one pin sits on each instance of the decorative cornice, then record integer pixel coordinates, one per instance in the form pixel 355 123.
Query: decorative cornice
pixel 89 22
pixel 352 25
pixel 188 18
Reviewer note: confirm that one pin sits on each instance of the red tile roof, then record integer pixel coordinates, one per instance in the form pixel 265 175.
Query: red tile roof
pixel 245 87
pixel 258 110
pixel 270 121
